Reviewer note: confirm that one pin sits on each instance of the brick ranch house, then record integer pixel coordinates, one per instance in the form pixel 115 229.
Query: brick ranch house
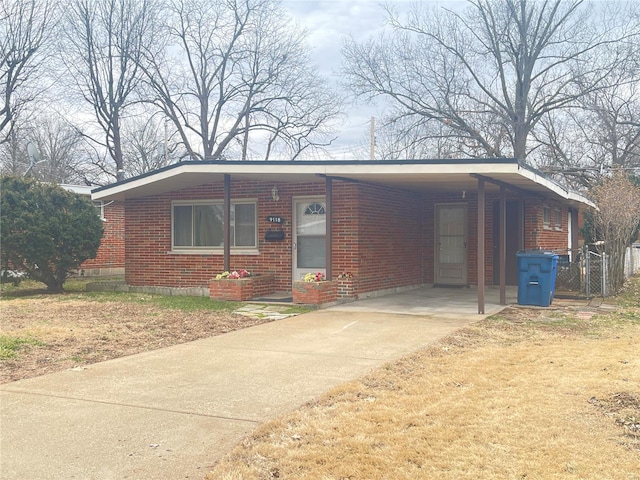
pixel 372 227
pixel 110 257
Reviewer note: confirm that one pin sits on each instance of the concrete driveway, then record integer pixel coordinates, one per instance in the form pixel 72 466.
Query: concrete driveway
pixel 171 413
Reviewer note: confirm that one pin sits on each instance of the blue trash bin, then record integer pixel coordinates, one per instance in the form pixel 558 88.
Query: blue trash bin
pixel 536 277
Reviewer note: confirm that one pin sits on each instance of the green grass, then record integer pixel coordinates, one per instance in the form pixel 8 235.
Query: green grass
pixel 180 302
pixel 10 346
pixel 192 303
pixel 75 289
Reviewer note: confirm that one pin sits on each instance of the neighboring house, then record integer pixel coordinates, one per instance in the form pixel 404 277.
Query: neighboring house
pixel 110 257
pixel 390 224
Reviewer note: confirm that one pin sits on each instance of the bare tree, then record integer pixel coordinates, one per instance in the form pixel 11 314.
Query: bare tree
pixel 616 219
pixel 24 33
pixel 60 147
pixel 14 159
pixel 582 144
pixel 491 74
pixel 105 40
pixel 232 68
pixel 149 145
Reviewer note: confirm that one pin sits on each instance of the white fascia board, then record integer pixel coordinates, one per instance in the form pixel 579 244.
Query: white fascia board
pixel 337 170
pixel 79 189
pixel 576 197
pixel 345 170
pixel 420 169
pixel 555 188
pixel 250 168
pixel 141 182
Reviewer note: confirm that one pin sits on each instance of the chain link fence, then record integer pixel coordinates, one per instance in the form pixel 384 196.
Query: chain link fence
pixel 585 272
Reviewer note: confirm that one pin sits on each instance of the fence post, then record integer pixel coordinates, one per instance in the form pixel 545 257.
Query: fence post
pixel 587 270
pixel 605 276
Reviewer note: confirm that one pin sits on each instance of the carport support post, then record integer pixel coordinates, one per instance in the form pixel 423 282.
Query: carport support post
pixel 227 223
pixel 503 245
pixel 329 225
pixel 480 261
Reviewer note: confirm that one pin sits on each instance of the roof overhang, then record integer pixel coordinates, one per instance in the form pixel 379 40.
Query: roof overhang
pixel 79 189
pixel 417 175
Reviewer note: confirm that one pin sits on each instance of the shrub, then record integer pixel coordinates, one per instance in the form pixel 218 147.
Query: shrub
pixel 46 231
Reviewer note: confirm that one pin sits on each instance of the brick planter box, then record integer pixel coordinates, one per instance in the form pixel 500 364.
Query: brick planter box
pixel 347 288
pixel 241 289
pixel 315 293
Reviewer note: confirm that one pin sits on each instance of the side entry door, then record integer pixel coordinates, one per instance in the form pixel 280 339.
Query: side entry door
pixel 451 244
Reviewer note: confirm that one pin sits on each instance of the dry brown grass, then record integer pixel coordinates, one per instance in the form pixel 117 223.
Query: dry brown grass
pixel 533 394
pixel 66 332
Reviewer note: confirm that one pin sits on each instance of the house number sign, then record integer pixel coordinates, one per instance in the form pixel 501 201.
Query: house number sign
pixel 275 219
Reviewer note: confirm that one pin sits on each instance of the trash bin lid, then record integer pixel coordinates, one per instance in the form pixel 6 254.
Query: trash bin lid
pixel 545 253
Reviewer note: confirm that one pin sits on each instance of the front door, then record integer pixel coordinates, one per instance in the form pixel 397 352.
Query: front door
pixel 451 244
pixel 309 236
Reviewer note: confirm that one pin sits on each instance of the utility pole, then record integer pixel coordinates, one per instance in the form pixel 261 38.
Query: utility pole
pixel 166 142
pixel 372 139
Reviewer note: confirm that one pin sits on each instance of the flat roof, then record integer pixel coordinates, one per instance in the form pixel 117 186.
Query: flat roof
pixel 433 175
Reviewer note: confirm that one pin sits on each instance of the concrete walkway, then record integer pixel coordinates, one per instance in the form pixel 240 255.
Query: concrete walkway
pixel 171 413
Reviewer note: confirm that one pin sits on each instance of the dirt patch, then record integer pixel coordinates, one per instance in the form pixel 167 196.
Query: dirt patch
pixel 624 409
pixel 66 334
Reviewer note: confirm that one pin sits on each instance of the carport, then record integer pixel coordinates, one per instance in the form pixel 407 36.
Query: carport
pixel 383 223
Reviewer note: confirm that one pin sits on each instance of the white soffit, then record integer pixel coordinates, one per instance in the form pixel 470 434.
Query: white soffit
pixel 428 176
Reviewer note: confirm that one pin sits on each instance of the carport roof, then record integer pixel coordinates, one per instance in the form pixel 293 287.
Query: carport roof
pixel 418 175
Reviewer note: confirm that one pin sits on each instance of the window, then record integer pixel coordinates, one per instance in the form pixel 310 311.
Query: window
pixel 558 219
pixel 315 208
pixel 200 225
pixel 546 216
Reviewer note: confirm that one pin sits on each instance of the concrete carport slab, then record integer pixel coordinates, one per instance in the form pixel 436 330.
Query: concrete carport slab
pixel 430 301
pixel 171 413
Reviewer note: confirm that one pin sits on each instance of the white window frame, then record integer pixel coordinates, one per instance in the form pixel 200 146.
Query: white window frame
pixel 557 219
pixel 248 250
pixel 546 216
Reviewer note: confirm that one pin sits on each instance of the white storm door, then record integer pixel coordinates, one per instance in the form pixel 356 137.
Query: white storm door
pixel 309 236
pixel 451 245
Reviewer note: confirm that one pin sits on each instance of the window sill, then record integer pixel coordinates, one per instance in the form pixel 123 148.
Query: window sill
pixel 248 251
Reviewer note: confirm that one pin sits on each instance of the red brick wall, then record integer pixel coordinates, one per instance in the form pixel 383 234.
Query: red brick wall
pixel 346 215
pixel 535 234
pixel 151 262
pixel 111 252
pixel 540 236
pixel 383 236
pixel 391 238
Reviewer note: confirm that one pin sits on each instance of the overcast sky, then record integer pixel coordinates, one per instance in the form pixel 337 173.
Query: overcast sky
pixel 328 22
